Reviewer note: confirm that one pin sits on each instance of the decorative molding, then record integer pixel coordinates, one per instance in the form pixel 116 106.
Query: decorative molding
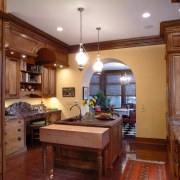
pixel 151 141
pixel 122 43
pixel 168 24
pixel 46 38
pixel 175 1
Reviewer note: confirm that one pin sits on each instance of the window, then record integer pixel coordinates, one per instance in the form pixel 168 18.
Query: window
pixel 94 85
pixel 130 94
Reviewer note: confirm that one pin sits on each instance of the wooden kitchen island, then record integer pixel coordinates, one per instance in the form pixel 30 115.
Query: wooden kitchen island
pixel 84 159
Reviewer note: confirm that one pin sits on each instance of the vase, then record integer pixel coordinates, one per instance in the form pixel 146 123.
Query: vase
pixel 90 115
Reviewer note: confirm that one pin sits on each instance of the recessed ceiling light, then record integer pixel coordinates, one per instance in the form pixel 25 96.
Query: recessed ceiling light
pixel 54 64
pixel 59 29
pixel 146 15
pixel 61 66
pixel 12 52
pixel 23 56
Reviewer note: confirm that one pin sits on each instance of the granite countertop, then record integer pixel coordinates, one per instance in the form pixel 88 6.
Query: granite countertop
pixel 85 122
pixel 31 114
pixel 175 123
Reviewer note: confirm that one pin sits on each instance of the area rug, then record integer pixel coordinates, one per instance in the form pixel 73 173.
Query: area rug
pixel 144 170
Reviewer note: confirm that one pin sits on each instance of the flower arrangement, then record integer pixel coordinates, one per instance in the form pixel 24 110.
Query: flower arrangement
pixel 91 103
pixel 111 107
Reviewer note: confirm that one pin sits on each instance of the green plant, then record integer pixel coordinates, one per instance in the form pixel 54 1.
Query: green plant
pixel 102 100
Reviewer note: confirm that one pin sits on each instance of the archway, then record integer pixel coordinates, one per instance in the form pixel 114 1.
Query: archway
pixel 123 96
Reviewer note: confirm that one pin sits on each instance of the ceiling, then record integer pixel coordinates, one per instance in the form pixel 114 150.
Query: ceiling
pixel 119 19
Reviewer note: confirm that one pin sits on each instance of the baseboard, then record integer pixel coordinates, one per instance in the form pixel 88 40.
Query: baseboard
pixel 151 141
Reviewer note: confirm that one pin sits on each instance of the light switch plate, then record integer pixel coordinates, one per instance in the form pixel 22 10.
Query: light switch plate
pixel 76 101
pixel 143 109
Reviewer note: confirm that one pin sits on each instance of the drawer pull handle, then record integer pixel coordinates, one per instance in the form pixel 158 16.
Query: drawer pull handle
pixel 19 139
pixel 175 174
pixel 5 124
pixel 19 129
pixel 19 121
pixel 6 143
pixel 6 133
pixel 176 151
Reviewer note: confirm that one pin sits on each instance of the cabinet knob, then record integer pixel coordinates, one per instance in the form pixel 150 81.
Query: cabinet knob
pixel 176 151
pixel 19 122
pixel 175 174
pixel 19 139
pixel 176 161
pixel 6 133
pixel 6 143
pixel 19 129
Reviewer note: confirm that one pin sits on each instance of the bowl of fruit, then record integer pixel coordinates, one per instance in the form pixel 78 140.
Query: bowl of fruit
pixel 105 116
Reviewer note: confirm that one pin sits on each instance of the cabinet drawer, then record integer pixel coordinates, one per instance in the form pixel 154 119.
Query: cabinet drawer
pixel 14 144
pixel 13 123
pixel 14 132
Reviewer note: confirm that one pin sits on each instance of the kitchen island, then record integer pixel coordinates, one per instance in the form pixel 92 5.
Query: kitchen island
pixel 77 158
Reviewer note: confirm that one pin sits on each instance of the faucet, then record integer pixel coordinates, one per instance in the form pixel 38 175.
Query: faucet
pixel 79 110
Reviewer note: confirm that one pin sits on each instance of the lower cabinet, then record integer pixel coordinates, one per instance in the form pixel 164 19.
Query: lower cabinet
pixel 14 135
pixel 174 153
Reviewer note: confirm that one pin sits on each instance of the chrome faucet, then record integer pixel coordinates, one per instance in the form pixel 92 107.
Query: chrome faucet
pixel 78 118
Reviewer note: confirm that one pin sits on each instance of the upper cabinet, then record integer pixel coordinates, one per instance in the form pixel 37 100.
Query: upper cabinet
pixel 173 40
pixel 49 82
pixel 12 78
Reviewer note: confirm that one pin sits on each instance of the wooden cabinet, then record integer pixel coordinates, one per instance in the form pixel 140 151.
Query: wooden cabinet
pixel 174 84
pixel 12 78
pixel 54 116
pixel 14 135
pixel 49 82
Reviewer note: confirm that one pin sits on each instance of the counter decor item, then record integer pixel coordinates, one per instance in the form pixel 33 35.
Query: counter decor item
pixel 85 93
pixel 91 104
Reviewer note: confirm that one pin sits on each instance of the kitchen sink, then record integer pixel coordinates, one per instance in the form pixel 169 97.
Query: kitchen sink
pixel 71 120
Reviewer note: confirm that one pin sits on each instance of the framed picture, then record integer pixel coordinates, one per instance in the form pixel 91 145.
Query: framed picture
pixel 68 92
pixel 85 93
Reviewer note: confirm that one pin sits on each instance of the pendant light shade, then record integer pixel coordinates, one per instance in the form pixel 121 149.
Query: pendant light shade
pixel 98 65
pixel 82 57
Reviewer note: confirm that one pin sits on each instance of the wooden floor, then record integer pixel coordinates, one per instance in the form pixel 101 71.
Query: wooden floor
pixel 28 165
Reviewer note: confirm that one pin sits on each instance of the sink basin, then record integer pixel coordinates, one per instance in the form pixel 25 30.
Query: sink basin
pixel 70 120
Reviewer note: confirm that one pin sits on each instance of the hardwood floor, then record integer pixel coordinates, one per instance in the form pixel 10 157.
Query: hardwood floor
pixel 28 165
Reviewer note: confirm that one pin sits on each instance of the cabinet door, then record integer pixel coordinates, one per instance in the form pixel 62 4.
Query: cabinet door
pixel 174 85
pixel 45 81
pixel 12 78
pixel 52 82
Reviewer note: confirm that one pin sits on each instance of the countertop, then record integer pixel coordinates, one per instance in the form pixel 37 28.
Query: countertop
pixel 31 114
pixel 94 123
pixel 175 123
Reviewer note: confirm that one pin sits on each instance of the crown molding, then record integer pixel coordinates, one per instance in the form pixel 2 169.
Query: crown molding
pixel 47 38
pixel 122 43
pixel 168 25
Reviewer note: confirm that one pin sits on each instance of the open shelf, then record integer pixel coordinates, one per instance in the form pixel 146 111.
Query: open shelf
pixel 31 72
pixel 30 83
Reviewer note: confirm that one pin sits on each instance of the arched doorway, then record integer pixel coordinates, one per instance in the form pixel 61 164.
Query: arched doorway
pixel 121 95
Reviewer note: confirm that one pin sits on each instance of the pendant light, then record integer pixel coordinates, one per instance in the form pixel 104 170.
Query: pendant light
pixel 125 79
pixel 98 65
pixel 82 57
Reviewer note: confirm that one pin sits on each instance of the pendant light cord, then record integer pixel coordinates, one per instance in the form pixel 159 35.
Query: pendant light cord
pixel 80 27
pixel 98 42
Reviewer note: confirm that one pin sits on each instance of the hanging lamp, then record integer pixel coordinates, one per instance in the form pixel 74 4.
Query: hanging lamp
pixel 125 79
pixel 82 57
pixel 98 65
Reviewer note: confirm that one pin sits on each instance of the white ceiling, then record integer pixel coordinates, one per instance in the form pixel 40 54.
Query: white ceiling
pixel 119 19
pixel 114 66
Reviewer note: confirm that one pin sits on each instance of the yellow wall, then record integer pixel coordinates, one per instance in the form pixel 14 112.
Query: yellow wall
pixel 149 67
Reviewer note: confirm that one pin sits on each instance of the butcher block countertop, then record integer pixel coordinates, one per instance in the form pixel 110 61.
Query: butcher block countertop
pixel 94 123
pixel 83 136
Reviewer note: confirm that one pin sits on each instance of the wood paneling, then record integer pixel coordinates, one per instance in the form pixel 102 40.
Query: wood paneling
pixel 2 90
pixel 122 43
pixel 45 81
pixel 18 41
